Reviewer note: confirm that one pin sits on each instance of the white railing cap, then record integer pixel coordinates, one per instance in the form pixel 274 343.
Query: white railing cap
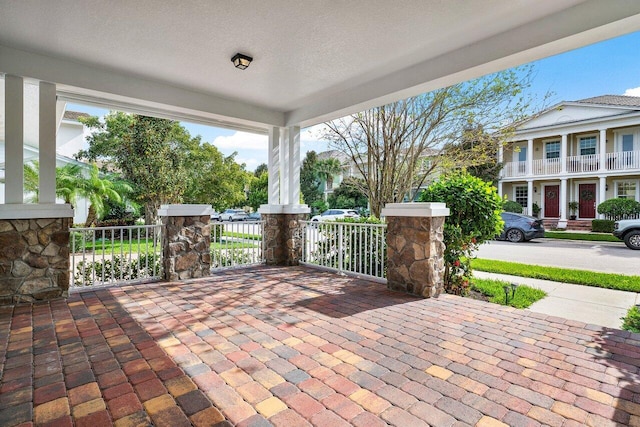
pixel 428 209
pixel 35 211
pixel 185 210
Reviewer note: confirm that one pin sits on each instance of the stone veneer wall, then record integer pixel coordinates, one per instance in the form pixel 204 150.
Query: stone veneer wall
pixel 186 241
pixel 282 236
pixel 34 259
pixel 415 255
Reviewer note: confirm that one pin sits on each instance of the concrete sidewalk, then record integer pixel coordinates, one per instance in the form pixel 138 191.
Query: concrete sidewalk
pixel 587 304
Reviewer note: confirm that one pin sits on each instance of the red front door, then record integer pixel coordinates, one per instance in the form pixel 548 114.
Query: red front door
pixel 552 201
pixel 587 200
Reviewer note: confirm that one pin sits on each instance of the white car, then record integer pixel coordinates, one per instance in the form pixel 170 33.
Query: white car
pixel 233 215
pixel 334 214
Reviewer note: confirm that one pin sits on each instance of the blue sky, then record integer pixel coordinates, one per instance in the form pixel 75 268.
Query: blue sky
pixel 611 67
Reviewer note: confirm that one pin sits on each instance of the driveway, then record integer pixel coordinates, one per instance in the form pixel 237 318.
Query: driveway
pixel 299 347
pixel 607 257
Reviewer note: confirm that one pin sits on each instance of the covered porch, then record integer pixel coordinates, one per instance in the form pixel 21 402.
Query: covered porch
pixel 292 346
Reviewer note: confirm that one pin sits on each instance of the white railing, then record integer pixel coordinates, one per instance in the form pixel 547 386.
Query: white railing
pixel 512 169
pixel 351 248
pixel 586 163
pixel 623 160
pixel 120 254
pixel 546 166
pixel 236 244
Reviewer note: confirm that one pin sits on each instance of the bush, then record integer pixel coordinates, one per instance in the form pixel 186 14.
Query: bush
pixel 475 218
pixel 631 322
pixel 616 209
pixel 116 269
pixel 217 230
pixel 229 258
pixel 511 206
pixel 602 225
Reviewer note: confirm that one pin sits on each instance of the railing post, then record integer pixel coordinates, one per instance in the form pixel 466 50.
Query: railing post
pixel 415 247
pixel 341 247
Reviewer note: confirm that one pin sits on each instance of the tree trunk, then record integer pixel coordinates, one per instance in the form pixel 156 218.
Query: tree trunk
pixel 91 216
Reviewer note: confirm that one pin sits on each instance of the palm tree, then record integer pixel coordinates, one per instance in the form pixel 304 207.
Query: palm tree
pixel 97 190
pixel 327 168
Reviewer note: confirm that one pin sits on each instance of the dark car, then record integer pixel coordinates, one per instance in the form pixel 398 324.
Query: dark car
pixel 520 228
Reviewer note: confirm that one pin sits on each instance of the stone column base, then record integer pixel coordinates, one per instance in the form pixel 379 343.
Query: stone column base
pixel 282 238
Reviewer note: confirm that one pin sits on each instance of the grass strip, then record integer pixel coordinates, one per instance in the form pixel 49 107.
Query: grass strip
pixel 579 277
pixel 242 235
pixel 494 290
pixel 232 245
pixel 596 237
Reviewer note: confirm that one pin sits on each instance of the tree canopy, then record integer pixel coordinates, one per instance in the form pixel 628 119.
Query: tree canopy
pixel 397 146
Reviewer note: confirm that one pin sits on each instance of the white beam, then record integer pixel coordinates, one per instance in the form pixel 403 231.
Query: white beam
pixel 14 139
pixel 47 143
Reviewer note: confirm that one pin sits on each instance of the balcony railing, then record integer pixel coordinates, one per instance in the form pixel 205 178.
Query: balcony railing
pixel 620 161
pixel 623 160
pixel 236 244
pixel 588 163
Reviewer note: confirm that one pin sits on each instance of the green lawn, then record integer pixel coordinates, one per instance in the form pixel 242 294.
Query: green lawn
pixel 233 245
pixel 579 277
pixel 242 235
pixel 115 246
pixel 592 237
pixel 494 289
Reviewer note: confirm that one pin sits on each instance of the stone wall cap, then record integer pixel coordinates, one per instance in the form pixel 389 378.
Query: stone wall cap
pixel 427 209
pixel 35 210
pixel 185 210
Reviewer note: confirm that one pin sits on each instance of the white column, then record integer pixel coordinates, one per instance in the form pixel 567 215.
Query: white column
pixel 14 139
pixel 602 193
pixel 530 197
pixel 294 165
pixel 273 164
pixel 284 167
pixel 563 154
pixel 563 199
pixel 500 188
pixel 500 160
pixel 47 143
pixel 603 149
pixel 530 157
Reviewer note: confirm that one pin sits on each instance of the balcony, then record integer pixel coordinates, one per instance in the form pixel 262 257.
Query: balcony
pixel 619 161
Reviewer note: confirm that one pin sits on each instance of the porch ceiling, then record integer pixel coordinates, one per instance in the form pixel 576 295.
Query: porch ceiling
pixel 311 63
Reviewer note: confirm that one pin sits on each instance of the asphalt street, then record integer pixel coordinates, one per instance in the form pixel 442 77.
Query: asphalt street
pixel 607 257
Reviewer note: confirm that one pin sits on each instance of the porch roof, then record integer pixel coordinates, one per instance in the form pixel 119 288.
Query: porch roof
pixel 312 62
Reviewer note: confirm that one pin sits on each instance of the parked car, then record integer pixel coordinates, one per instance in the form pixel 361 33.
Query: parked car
pixel 334 214
pixel 233 215
pixel 629 231
pixel 215 216
pixel 520 228
pixel 254 216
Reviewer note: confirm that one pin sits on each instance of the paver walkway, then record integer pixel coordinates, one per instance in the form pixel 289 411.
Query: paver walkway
pixel 296 347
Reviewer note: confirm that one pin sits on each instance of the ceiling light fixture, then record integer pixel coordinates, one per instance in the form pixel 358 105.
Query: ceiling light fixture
pixel 241 61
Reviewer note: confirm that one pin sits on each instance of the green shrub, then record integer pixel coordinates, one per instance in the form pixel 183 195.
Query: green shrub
pixel 89 273
pixel 602 225
pixel 217 230
pixel 616 209
pixel 475 218
pixel 230 257
pixel 511 206
pixel 631 322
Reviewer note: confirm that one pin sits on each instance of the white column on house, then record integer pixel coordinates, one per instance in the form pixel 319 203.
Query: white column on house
pixel 529 197
pixel 602 193
pixel 500 160
pixel 603 149
pixel 500 188
pixel 563 199
pixel 563 153
pixel 47 143
pixel 530 157
pixel 294 165
pixel 14 139
pixel 273 165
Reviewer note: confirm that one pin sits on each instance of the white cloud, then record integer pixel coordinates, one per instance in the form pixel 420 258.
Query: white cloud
pixel 632 92
pixel 242 141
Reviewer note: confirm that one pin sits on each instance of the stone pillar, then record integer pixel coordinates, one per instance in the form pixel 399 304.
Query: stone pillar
pixel 415 247
pixel 34 252
pixel 282 233
pixel 186 241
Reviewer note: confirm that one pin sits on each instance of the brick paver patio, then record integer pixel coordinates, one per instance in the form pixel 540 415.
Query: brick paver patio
pixel 296 347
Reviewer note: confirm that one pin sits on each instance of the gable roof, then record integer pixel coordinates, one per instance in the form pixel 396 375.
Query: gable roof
pixel 617 100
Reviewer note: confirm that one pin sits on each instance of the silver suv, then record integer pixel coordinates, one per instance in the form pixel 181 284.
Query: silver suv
pixel 629 231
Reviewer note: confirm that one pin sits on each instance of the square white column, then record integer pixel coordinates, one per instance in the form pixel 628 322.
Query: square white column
pixel 294 165
pixel 47 143
pixel 563 154
pixel 273 166
pixel 14 139
pixel 603 149
pixel 530 157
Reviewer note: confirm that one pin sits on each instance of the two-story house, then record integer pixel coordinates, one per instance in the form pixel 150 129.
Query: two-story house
pixel 585 151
